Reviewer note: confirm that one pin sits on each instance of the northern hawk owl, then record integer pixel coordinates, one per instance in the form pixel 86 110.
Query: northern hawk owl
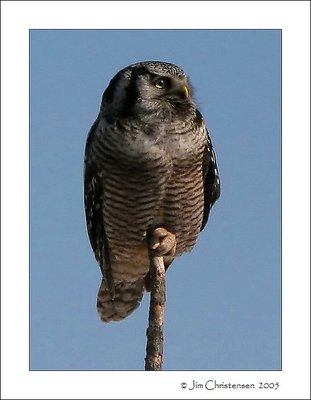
pixel 149 166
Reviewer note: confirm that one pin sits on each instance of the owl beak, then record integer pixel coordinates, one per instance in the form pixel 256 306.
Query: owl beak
pixel 182 91
pixel 186 91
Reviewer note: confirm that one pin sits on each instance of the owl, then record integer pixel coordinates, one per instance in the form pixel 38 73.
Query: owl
pixel 149 167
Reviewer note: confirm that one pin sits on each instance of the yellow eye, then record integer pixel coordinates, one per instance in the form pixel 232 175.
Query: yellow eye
pixel 160 83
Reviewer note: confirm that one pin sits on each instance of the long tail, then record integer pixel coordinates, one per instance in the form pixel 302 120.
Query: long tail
pixel 127 296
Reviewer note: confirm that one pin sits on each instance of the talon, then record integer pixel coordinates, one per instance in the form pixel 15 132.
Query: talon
pixel 162 242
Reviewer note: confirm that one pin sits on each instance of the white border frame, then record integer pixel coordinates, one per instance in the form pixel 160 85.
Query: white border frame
pixel 17 18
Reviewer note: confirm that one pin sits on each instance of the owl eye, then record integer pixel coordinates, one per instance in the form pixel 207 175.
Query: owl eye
pixel 160 83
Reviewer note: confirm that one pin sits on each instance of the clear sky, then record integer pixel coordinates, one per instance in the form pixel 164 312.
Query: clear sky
pixel 223 298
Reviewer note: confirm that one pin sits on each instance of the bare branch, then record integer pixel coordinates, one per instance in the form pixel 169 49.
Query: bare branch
pixel 154 350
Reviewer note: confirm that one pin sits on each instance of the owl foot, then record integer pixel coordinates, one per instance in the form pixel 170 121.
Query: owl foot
pixel 163 242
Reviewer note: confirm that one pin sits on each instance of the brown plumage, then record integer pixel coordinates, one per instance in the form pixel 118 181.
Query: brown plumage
pixel 149 163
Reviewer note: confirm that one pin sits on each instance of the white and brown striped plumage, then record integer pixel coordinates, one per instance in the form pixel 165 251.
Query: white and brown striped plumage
pixel 149 163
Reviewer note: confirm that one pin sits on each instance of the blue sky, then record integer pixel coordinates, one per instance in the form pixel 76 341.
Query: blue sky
pixel 223 299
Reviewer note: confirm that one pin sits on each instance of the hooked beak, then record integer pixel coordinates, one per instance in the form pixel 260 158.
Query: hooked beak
pixel 186 91
pixel 180 91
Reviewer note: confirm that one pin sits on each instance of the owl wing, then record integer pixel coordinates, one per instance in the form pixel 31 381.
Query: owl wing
pixel 211 178
pixel 93 195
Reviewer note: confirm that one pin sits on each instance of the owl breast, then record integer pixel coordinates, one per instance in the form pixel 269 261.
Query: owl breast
pixel 151 180
pixel 183 202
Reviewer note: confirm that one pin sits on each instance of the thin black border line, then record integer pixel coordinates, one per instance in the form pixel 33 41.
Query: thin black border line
pixel 281 208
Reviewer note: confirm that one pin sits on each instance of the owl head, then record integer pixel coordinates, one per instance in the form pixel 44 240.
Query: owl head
pixel 148 89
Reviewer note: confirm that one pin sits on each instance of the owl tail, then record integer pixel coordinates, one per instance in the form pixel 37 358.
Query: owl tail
pixel 127 296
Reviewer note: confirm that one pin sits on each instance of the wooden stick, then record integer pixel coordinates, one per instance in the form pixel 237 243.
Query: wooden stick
pixel 154 349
